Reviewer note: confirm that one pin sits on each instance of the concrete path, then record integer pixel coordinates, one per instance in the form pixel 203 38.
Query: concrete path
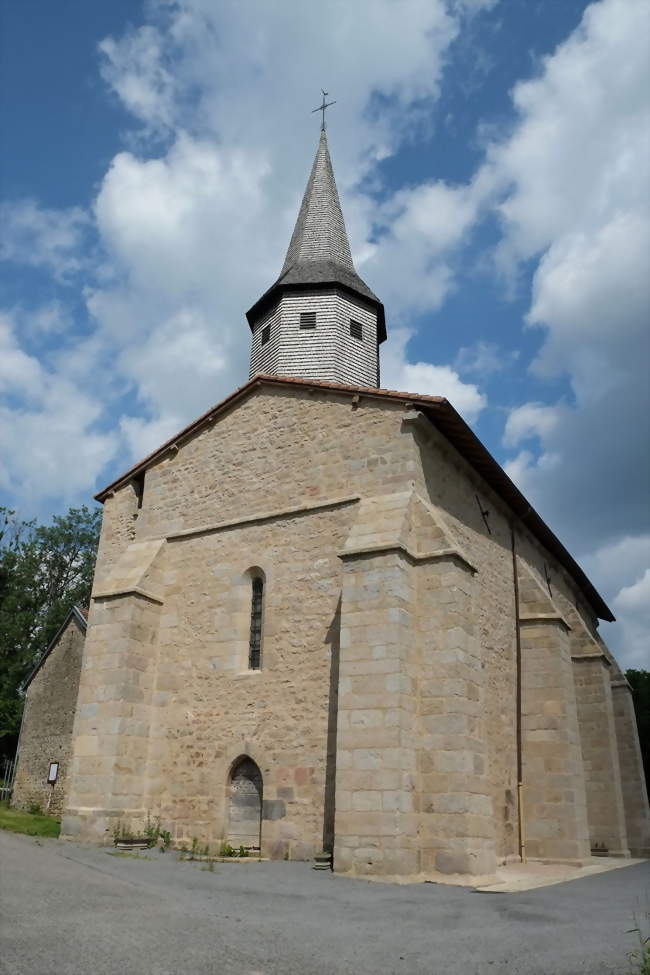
pixel 72 910
pixel 526 876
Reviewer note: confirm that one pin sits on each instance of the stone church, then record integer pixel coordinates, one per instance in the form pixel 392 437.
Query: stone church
pixel 324 618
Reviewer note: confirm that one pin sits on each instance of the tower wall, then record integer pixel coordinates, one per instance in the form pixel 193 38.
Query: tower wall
pixel 328 351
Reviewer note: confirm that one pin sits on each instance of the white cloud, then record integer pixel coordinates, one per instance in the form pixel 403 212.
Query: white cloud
pixel 484 359
pixel 420 231
pixel 577 154
pixel 530 420
pixel 135 69
pixel 636 596
pixel 574 169
pixel 425 377
pixel 571 181
pixel 622 569
pixel 50 446
pixel 43 237
pixel 196 234
pixel 19 372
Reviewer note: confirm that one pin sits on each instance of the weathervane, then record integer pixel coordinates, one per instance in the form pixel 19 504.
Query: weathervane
pixel 321 108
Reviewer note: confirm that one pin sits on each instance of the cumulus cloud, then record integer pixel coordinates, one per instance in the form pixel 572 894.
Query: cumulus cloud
pixel 530 420
pixel 636 596
pixel 192 219
pixel 196 232
pixel 590 291
pixel 621 568
pixel 420 230
pixel 427 378
pixel 571 182
pixel 50 445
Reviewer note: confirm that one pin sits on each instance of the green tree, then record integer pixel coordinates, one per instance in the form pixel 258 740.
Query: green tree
pixel 639 681
pixel 44 570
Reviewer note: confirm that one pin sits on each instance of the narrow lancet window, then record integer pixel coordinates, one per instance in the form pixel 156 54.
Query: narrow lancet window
pixel 255 644
pixel 138 488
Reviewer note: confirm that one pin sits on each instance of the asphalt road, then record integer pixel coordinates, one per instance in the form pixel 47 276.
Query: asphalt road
pixel 66 909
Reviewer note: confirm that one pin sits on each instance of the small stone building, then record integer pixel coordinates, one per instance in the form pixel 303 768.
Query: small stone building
pixel 45 744
pixel 324 617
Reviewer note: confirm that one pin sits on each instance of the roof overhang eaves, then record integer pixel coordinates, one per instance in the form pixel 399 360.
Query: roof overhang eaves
pixel 275 292
pixel 187 431
pixel 454 428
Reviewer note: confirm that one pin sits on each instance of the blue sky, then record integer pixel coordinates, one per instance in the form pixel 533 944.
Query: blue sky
pixel 491 157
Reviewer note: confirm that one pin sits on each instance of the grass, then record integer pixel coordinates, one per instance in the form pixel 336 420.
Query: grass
pixel 17 821
pixel 640 958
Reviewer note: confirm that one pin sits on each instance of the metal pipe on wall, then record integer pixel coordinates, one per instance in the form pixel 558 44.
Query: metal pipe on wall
pixel 520 784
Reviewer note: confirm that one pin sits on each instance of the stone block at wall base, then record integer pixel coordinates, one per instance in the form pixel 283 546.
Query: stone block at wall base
pixel 465 862
pixel 96 825
pixel 568 861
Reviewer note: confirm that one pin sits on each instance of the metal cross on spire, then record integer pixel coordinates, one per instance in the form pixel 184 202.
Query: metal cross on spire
pixel 321 108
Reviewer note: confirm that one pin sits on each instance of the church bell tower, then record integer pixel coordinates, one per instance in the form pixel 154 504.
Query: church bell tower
pixel 319 320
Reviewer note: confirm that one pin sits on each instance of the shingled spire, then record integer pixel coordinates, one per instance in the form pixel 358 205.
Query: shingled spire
pixel 319 319
pixel 319 234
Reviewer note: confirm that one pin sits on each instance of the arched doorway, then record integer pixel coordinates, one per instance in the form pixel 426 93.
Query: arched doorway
pixel 245 804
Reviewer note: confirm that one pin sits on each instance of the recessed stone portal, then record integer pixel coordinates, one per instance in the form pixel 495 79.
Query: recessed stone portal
pixel 245 805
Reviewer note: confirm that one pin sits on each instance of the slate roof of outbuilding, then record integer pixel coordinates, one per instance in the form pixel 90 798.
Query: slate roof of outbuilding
pixel 445 418
pixel 319 250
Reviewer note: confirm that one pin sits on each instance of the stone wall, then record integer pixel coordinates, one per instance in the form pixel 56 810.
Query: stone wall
pixel 46 734
pixel 385 708
pixel 210 709
pixel 225 505
pixel 600 756
pixel 633 785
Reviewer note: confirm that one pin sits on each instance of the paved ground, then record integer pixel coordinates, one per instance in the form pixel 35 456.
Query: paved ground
pixel 72 910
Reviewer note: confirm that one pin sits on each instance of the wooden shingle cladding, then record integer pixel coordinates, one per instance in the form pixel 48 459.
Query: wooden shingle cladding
pixel 325 351
pixel 264 356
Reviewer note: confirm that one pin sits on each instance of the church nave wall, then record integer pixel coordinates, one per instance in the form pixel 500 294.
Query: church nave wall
pixel 209 708
pixel 276 450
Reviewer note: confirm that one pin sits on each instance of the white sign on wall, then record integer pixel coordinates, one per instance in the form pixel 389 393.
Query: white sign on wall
pixel 53 773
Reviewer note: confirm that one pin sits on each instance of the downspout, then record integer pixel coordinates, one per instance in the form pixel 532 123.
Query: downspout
pixel 520 783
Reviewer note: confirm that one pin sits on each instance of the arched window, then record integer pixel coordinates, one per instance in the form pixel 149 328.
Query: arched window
pixel 255 642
